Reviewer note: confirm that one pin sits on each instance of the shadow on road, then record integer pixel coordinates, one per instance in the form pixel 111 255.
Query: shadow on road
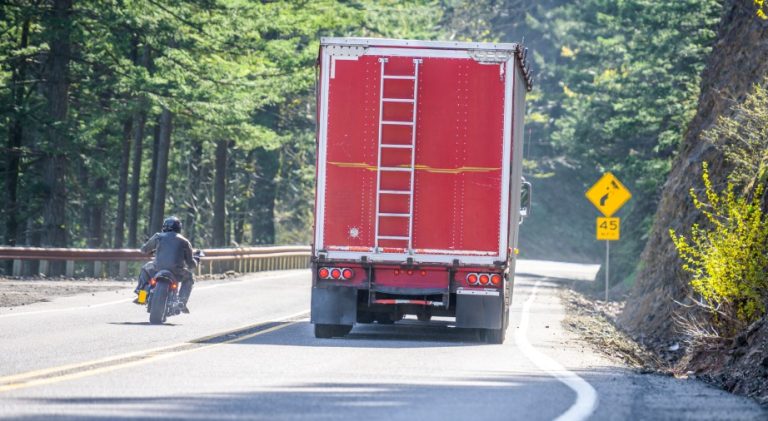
pixel 497 395
pixel 489 398
pixel 404 334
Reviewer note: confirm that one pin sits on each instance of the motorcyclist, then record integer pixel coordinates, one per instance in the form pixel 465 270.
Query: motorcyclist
pixel 172 252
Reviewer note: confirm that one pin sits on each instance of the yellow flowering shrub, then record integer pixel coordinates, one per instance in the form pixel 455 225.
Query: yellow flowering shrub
pixel 728 257
pixel 760 4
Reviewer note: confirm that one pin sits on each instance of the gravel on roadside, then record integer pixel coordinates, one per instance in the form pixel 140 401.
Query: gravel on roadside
pixel 594 321
pixel 17 291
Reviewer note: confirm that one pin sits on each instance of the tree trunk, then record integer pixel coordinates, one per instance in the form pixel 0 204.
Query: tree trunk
pixel 161 175
pixel 122 186
pixel 239 227
pixel 96 214
pixel 57 95
pixel 81 205
pixel 138 144
pixel 33 238
pixel 263 201
pixel 153 177
pixel 195 173
pixel 220 194
pixel 139 122
pixel 15 137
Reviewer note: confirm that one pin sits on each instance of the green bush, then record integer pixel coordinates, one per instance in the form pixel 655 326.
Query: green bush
pixel 727 258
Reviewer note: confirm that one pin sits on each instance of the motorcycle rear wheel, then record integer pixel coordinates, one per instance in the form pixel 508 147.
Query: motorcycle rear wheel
pixel 159 303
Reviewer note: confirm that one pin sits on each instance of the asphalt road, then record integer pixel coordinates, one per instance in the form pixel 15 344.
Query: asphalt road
pixel 247 352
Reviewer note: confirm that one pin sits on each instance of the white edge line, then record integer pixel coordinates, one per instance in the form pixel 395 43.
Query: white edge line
pixel 127 300
pixel 586 396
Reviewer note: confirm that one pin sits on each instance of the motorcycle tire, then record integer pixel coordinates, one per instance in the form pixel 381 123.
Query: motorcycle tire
pixel 159 303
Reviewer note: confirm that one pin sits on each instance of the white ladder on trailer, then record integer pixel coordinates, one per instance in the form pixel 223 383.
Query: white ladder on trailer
pixel 412 146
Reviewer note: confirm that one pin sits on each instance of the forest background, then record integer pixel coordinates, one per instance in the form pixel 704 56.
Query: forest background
pixel 117 112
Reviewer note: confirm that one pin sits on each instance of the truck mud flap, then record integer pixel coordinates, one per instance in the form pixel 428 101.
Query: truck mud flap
pixel 479 309
pixel 334 305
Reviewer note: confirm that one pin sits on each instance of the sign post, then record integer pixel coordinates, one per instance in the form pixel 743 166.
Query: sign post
pixel 608 195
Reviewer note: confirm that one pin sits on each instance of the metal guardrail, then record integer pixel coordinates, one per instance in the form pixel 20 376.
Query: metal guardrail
pixel 92 261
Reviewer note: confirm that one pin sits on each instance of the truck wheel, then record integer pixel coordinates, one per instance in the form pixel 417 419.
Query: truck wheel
pixel 330 331
pixel 343 330
pixel 495 336
pixel 365 317
pixel 424 317
pixel 384 318
pixel 324 331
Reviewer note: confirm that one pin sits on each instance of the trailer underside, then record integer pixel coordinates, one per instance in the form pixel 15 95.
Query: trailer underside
pixel 385 294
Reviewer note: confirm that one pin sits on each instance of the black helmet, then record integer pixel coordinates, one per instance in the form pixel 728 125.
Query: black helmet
pixel 172 223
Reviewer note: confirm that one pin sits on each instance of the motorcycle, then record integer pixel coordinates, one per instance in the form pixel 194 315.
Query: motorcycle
pixel 162 294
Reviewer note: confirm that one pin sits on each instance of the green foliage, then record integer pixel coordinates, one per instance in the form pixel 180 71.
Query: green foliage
pixel 743 139
pixel 616 84
pixel 728 258
pixel 234 70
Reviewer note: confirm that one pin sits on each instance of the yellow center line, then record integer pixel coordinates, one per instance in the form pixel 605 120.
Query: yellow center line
pixel 105 365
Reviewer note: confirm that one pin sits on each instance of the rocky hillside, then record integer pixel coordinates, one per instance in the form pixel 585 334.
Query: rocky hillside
pixel 737 62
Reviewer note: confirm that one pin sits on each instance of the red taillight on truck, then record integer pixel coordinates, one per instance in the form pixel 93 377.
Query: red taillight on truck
pixel 340 274
pixel 484 279
pixel 496 279
pixel 472 279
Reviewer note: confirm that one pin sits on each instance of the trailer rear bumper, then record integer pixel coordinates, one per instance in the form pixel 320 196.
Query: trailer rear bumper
pixel 334 305
pixel 479 309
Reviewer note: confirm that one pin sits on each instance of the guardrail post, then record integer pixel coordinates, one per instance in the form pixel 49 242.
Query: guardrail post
pixel 16 268
pixel 97 270
pixel 69 270
pixel 122 269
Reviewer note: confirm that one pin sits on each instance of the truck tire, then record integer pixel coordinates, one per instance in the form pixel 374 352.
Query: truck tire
pixel 495 336
pixel 384 319
pixel 159 303
pixel 365 317
pixel 323 331
pixel 424 316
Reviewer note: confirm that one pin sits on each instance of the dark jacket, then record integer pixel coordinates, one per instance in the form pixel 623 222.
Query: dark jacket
pixel 172 251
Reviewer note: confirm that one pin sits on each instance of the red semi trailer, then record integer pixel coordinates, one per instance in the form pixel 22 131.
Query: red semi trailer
pixel 419 182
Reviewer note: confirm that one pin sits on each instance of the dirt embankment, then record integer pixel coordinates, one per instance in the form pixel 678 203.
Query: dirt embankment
pixel 737 62
pixel 738 366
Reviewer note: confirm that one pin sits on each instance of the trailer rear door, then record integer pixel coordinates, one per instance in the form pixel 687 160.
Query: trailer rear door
pixel 414 153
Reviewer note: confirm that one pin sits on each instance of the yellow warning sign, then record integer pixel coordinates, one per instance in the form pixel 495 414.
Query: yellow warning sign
pixel 608 194
pixel 608 229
